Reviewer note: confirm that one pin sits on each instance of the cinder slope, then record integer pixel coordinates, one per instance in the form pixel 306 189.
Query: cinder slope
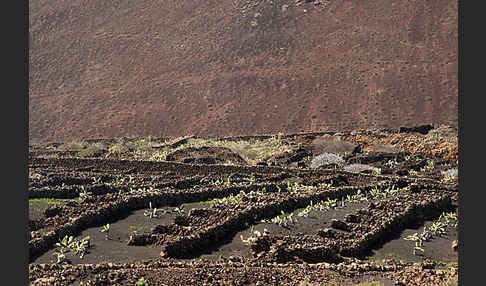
pixel 214 67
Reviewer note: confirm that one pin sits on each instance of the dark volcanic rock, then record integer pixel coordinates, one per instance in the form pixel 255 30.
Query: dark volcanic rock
pixel 206 155
pixel 423 129
pixel 337 224
pixel 352 218
pixel 294 158
pixel 327 233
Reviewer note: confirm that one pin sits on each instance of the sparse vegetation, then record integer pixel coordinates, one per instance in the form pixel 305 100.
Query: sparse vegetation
pixel 283 220
pixel 377 191
pixel 152 212
pixel 436 229
pixel 69 243
pixel 255 234
pixel 84 194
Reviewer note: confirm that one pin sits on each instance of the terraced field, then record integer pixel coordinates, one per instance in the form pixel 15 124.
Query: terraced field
pixel 371 206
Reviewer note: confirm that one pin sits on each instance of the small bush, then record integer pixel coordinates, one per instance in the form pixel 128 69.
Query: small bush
pixel 326 159
pixel 141 282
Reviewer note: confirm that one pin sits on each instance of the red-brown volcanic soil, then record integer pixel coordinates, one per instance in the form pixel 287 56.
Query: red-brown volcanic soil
pixel 220 68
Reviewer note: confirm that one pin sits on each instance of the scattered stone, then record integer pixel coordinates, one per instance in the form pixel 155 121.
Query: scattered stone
pixel 181 220
pixel 352 218
pixel 337 224
pixel 327 233
pixel 422 129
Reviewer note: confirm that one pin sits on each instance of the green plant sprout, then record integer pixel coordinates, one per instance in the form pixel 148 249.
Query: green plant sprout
pixel 218 182
pixel 376 171
pixel 413 172
pixel 325 185
pixel 141 282
pixel 374 192
pixel 450 178
pixel 357 196
pixel 330 203
pixel 283 219
pixel 84 194
pixel 122 191
pixel 116 182
pixel 106 230
pixel 227 183
pixel 289 186
pixel 417 248
pixel 307 210
pixel 66 242
pixel 437 228
pixel 81 246
pixel 429 167
pixel 70 243
pixel 179 209
pixel 236 199
pixel 392 163
pixel 254 235
pixel 60 255
pixel 296 187
pixel 390 191
pixel 152 213
pixel 450 217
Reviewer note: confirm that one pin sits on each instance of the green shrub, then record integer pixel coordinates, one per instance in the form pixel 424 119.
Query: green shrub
pixel 142 282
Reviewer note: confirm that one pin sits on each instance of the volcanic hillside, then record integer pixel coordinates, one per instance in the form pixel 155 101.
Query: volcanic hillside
pixel 218 67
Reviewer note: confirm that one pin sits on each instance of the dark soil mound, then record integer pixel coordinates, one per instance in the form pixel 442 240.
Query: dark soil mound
pixel 330 144
pixel 206 155
pixel 295 158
